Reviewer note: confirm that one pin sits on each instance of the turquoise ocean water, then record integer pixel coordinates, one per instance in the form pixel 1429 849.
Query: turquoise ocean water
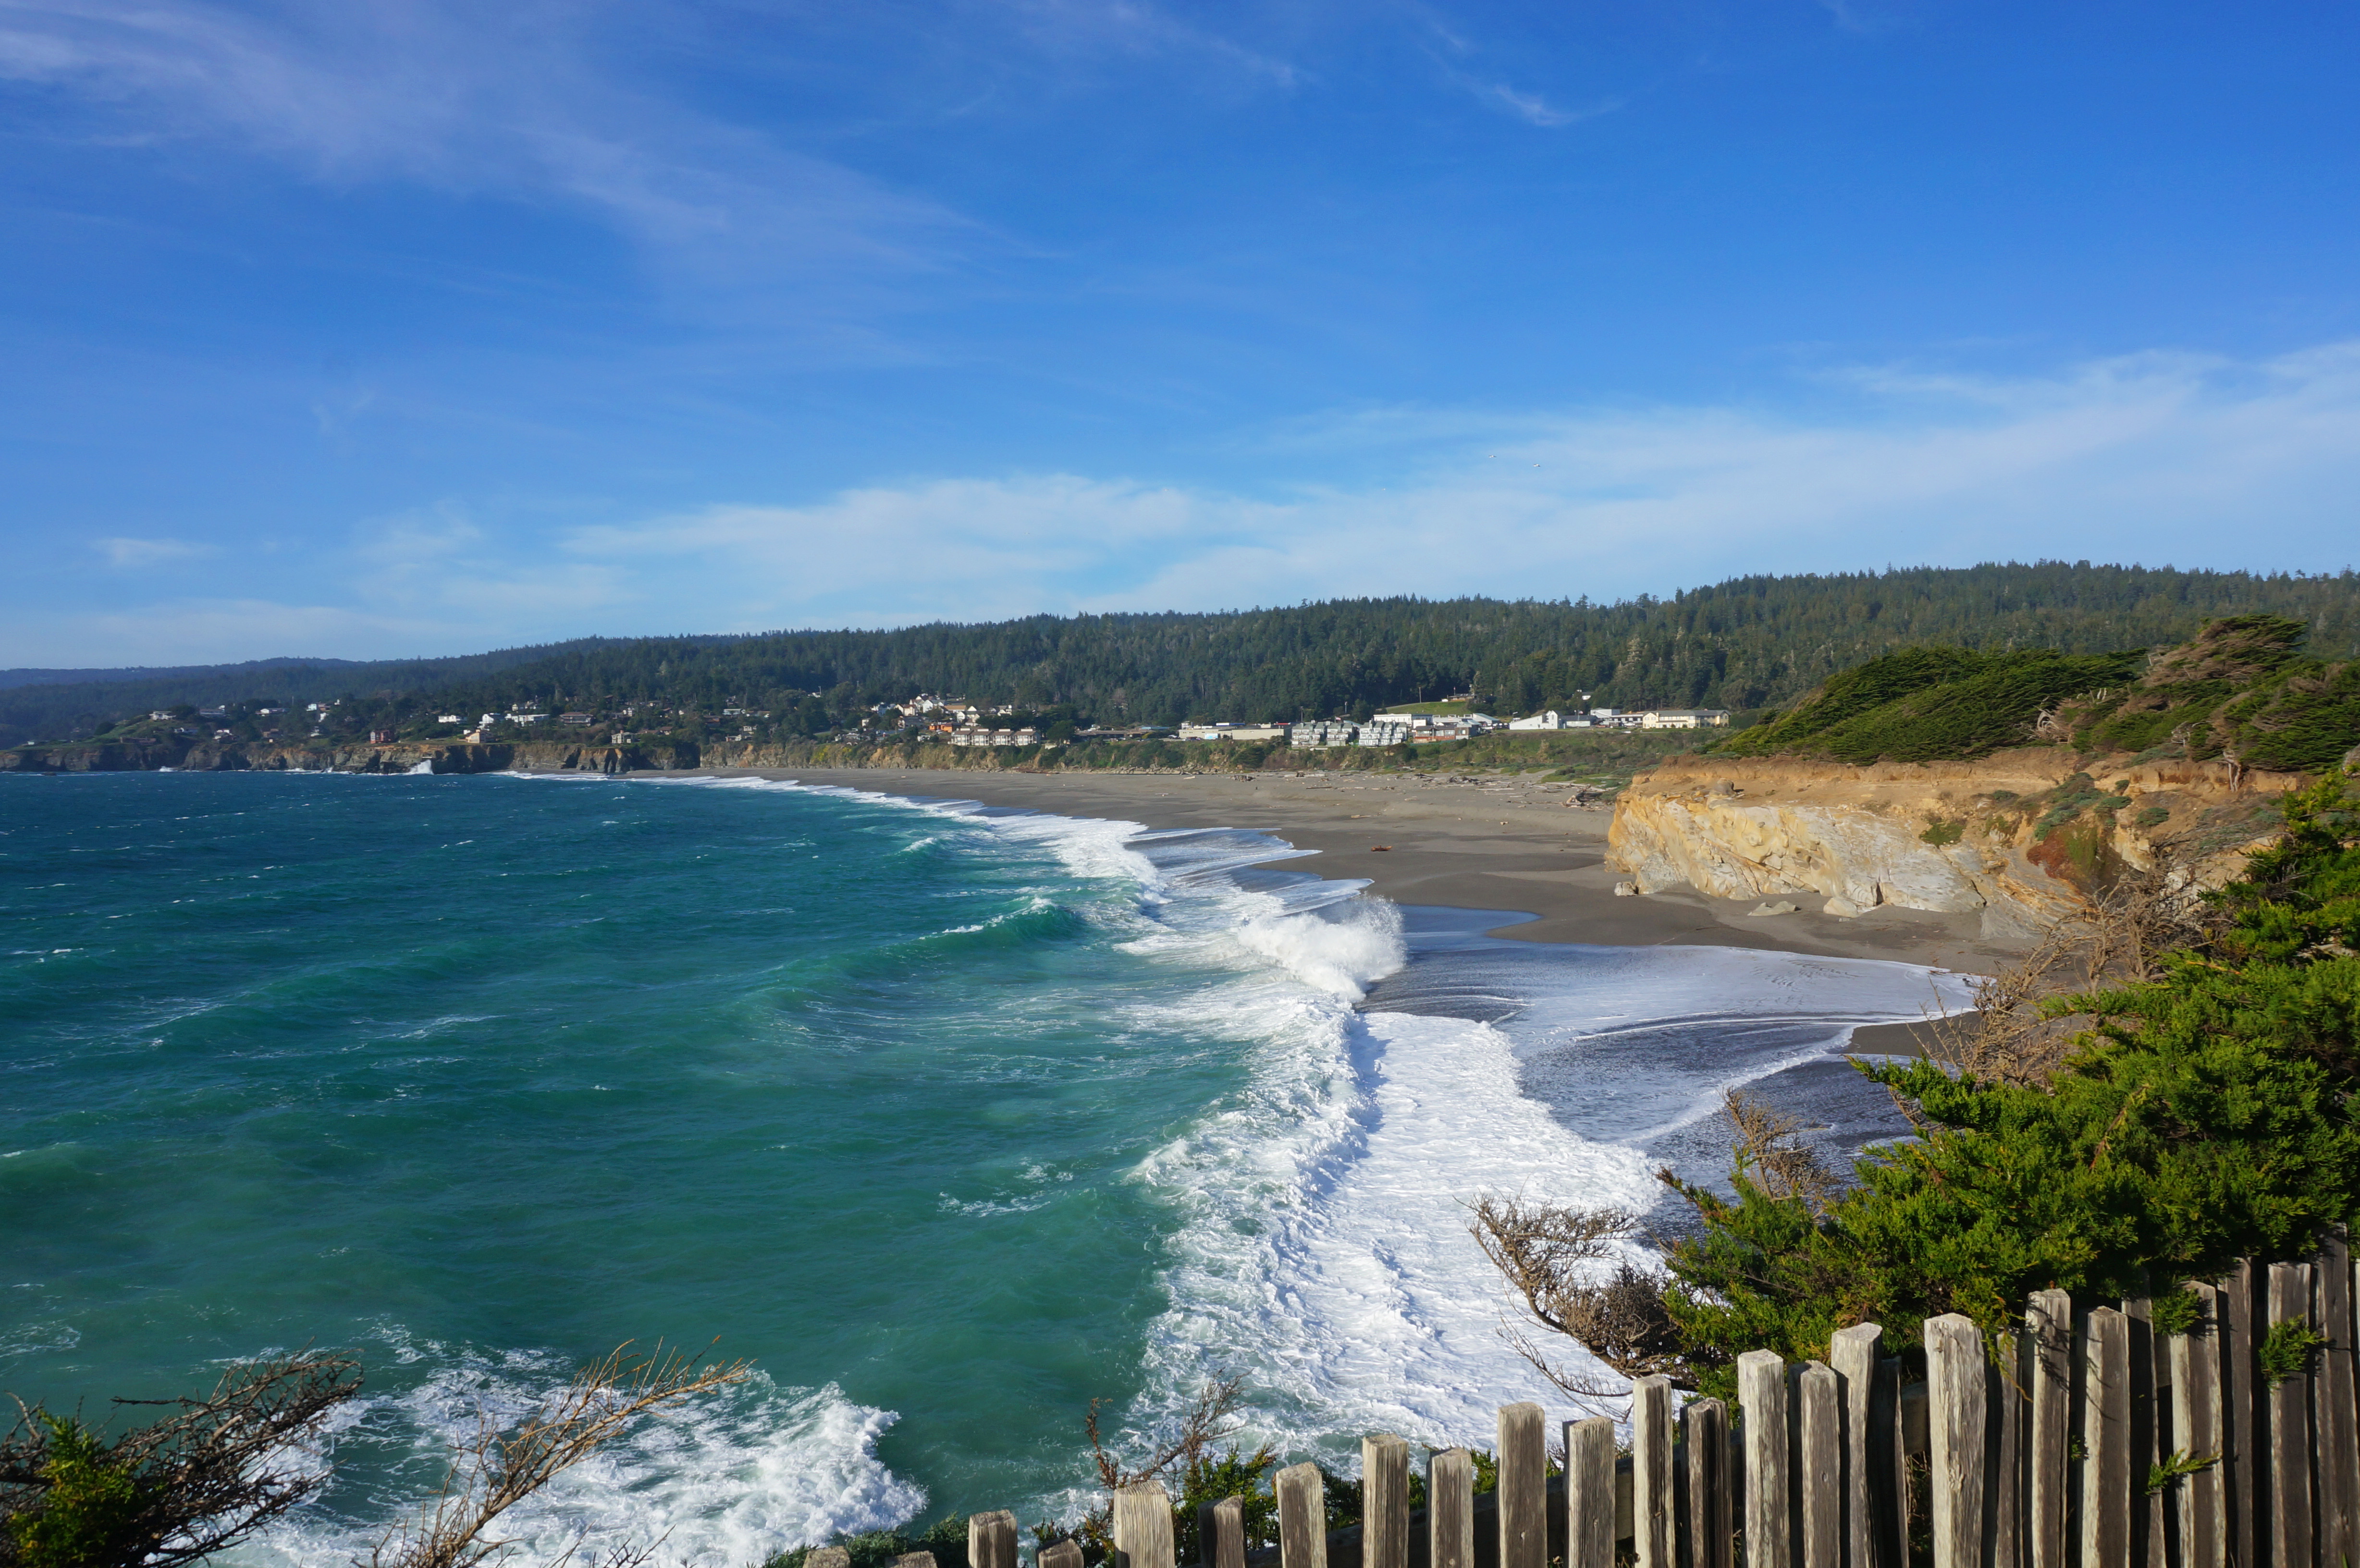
pixel 951 1120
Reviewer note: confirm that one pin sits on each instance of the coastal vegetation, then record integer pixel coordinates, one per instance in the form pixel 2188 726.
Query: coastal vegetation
pixel 182 1489
pixel 2242 687
pixel 2166 1084
pixel 1748 644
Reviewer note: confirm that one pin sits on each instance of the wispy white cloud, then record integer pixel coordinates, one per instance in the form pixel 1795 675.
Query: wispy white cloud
pixel 225 630
pixel 516 101
pixel 135 552
pixel 439 563
pixel 2175 459
pixel 1134 27
pixel 1535 110
pixel 2159 458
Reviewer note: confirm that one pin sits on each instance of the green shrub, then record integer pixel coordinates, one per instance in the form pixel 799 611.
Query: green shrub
pixel 2209 1113
pixel 1928 704
pixel 93 1507
pixel 2286 1349
pixel 1941 832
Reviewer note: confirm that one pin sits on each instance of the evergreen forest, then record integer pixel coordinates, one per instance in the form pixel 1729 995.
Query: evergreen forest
pixel 1747 645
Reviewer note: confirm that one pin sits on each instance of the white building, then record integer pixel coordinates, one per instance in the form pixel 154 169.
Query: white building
pixel 1321 734
pixel 1383 731
pixel 1684 718
pixel 1233 731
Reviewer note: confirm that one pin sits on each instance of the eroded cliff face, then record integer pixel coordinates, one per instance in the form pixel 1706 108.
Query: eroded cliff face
pixel 2023 836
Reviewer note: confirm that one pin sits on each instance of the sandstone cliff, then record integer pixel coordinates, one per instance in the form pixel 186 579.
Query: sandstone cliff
pixel 2022 835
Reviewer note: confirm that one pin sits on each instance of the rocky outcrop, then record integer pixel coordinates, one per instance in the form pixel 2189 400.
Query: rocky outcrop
pixel 97 756
pixel 236 756
pixel 2023 836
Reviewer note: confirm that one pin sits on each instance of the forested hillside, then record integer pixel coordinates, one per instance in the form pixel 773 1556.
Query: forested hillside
pixel 1749 643
pixel 42 704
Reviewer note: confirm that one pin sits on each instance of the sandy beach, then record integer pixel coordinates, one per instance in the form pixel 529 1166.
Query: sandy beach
pixel 1510 844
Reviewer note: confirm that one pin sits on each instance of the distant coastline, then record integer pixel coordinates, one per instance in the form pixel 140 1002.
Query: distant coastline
pixel 1507 845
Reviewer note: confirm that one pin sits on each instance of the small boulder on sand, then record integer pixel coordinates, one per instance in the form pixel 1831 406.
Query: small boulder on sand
pixel 1781 908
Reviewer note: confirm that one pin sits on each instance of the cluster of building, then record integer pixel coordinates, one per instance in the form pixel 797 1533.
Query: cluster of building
pixel 1632 719
pixel 1394 729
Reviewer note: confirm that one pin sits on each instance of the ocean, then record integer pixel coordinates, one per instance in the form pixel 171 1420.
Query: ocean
pixel 952 1120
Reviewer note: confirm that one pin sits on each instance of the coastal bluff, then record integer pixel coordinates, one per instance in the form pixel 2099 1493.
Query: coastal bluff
pixel 2024 836
pixel 428 756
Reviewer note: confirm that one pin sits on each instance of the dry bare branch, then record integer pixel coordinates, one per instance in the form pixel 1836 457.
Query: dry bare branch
pixel 2012 1035
pixel 500 1469
pixel 1549 1255
pixel 1210 1419
pixel 1771 1151
pixel 203 1477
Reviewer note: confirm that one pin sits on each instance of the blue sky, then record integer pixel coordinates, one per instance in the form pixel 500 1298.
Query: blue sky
pixel 405 327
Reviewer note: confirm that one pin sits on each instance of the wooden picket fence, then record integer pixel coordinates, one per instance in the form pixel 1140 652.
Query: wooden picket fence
pixel 2091 1440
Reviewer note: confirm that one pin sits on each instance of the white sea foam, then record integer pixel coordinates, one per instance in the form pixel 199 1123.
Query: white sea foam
pixel 723 1482
pixel 1321 1245
pixel 1340 954
pixel 1344 1282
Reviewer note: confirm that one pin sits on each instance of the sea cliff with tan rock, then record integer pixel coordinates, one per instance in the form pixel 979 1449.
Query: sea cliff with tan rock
pixel 2023 836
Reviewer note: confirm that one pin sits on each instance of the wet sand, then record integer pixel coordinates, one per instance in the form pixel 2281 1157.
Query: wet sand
pixel 1506 844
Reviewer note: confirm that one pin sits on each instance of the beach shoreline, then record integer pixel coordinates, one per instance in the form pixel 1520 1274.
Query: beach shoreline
pixel 1512 847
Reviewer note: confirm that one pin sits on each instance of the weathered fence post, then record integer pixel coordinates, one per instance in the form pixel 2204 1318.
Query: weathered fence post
pixel 2196 1433
pixel 1588 1493
pixel 1450 1508
pixel 991 1539
pixel 2106 1438
pixel 1888 1469
pixel 2147 1425
pixel 1057 1554
pixel 1852 1353
pixel 2242 1455
pixel 1704 1423
pixel 1651 1472
pixel 2289 1407
pixel 1818 1460
pixel 1221 1534
pixel 1523 1488
pixel 2333 1417
pixel 837 1557
pixel 1761 1399
pixel 1384 1502
pixel 2006 1409
pixel 1954 1433
pixel 2048 1331
pixel 1301 1516
pixel 1142 1525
